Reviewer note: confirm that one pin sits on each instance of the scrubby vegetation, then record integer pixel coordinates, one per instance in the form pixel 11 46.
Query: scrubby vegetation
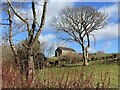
pixel 98 75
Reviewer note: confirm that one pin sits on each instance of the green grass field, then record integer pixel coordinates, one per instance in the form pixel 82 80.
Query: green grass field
pixel 53 75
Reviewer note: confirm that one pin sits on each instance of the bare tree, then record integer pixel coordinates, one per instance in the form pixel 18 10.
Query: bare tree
pixel 44 46
pixel 33 33
pixel 79 23
pixel 48 48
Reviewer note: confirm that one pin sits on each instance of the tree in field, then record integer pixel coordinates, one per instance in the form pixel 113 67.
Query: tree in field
pixel 79 23
pixel 33 27
pixel 47 48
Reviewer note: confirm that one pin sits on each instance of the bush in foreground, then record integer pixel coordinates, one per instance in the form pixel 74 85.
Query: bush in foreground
pixel 78 79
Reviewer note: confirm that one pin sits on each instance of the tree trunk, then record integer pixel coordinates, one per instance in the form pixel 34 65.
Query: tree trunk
pixel 29 67
pixel 85 52
pixel 85 57
pixel 31 73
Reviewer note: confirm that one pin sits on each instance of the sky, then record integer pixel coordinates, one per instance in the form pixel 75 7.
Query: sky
pixel 106 38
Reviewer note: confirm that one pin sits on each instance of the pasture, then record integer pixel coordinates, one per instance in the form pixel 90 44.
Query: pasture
pixel 106 75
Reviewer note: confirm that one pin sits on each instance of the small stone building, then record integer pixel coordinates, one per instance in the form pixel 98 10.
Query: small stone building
pixel 62 51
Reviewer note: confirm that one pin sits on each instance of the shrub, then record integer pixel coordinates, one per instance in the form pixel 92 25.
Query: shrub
pixel 7 55
pixel 71 58
pixel 53 61
pixel 39 60
pixel 12 78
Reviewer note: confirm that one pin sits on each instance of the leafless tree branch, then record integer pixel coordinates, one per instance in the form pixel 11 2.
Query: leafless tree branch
pixel 79 23
pixel 19 16
pixel 10 38
pixel 42 21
